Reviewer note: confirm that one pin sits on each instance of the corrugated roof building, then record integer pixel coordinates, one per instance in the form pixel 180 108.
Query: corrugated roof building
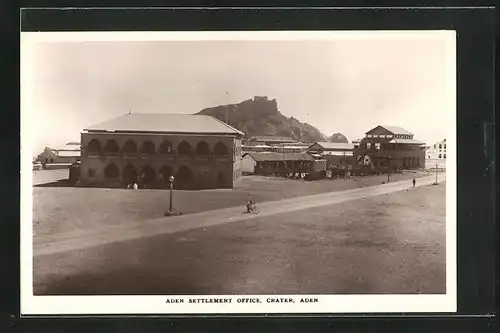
pixel 266 163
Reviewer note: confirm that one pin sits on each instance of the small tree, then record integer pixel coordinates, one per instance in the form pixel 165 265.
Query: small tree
pixel 47 156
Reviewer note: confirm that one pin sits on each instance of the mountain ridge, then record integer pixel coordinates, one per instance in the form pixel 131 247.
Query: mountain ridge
pixel 260 116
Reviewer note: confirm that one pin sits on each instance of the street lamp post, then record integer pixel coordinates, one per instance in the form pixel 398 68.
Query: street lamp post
pixel 171 187
pixel 436 174
pixel 388 169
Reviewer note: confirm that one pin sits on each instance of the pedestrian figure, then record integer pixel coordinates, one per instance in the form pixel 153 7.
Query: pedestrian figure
pixel 136 186
pixel 249 207
pixel 414 181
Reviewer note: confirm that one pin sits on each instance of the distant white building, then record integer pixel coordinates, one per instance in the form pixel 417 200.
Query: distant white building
pixel 437 151
pixel 67 154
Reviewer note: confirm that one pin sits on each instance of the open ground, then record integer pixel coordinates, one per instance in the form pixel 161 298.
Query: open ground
pixel 62 209
pixel 389 243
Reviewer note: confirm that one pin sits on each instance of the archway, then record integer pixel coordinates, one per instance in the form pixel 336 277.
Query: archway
pixel 202 149
pixel 111 171
pixel 148 176
pixel 166 147
pixel 147 148
pixel 220 149
pixel 111 147
pixel 129 175
pixel 94 147
pixel 129 148
pixel 164 174
pixel 184 177
pixel 184 149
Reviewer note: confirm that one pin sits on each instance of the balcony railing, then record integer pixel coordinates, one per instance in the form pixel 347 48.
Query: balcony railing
pixel 134 155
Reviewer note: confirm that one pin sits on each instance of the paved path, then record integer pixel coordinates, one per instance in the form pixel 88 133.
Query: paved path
pixel 82 239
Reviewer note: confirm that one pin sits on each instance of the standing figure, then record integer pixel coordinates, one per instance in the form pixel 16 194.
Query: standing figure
pixel 414 182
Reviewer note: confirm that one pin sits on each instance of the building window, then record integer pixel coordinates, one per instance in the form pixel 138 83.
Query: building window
pixel 129 148
pixel 202 149
pixel 166 148
pixel 184 149
pixel 111 171
pixel 94 148
pixel 445 146
pixel 220 149
pixel 147 148
pixel 377 145
pixel 444 156
pixel 440 146
pixel 368 145
pixel 440 155
pixel 111 147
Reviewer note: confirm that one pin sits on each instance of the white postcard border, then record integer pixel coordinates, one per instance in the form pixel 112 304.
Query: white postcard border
pixel 71 305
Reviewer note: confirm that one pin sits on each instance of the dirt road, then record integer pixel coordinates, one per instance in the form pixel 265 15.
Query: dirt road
pixel 82 239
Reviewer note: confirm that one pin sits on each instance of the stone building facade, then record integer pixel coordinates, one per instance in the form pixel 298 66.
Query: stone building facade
pixel 199 151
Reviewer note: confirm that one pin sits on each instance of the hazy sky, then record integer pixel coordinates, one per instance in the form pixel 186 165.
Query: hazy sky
pixel 344 85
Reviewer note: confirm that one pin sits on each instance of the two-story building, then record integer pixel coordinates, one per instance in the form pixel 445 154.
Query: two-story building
pixel 390 147
pixel 437 151
pixel 199 151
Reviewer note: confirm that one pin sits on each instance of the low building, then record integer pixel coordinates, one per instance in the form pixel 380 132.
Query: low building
pixel 268 140
pixel 199 151
pixel 336 154
pixel 67 154
pixel 268 163
pixel 390 147
pixel 298 147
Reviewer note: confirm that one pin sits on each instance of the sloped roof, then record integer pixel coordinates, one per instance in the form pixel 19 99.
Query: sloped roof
pixel 270 157
pixel 271 138
pixel 165 123
pixel 407 141
pixel 393 129
pixel 334 145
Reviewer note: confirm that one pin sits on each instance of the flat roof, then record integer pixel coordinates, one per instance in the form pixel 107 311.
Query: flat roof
pixel 165 123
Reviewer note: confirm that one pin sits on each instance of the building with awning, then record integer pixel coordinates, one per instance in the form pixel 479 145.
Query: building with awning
pixel 390 147
pixel 67 154
pixel 267 163
pixel 336 154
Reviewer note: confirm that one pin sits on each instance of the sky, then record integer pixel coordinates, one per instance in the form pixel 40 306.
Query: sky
pixel 346 85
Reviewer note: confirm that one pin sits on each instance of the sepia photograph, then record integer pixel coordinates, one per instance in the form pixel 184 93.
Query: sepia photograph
pixel 238 172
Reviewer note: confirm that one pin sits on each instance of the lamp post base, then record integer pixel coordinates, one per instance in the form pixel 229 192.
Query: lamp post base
pixel 172 213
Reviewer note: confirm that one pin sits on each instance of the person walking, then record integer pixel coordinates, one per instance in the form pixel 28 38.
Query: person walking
pixel 414 182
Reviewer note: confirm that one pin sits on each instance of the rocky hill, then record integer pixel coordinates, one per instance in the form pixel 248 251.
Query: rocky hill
pixel 260 117
pixel 338 137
